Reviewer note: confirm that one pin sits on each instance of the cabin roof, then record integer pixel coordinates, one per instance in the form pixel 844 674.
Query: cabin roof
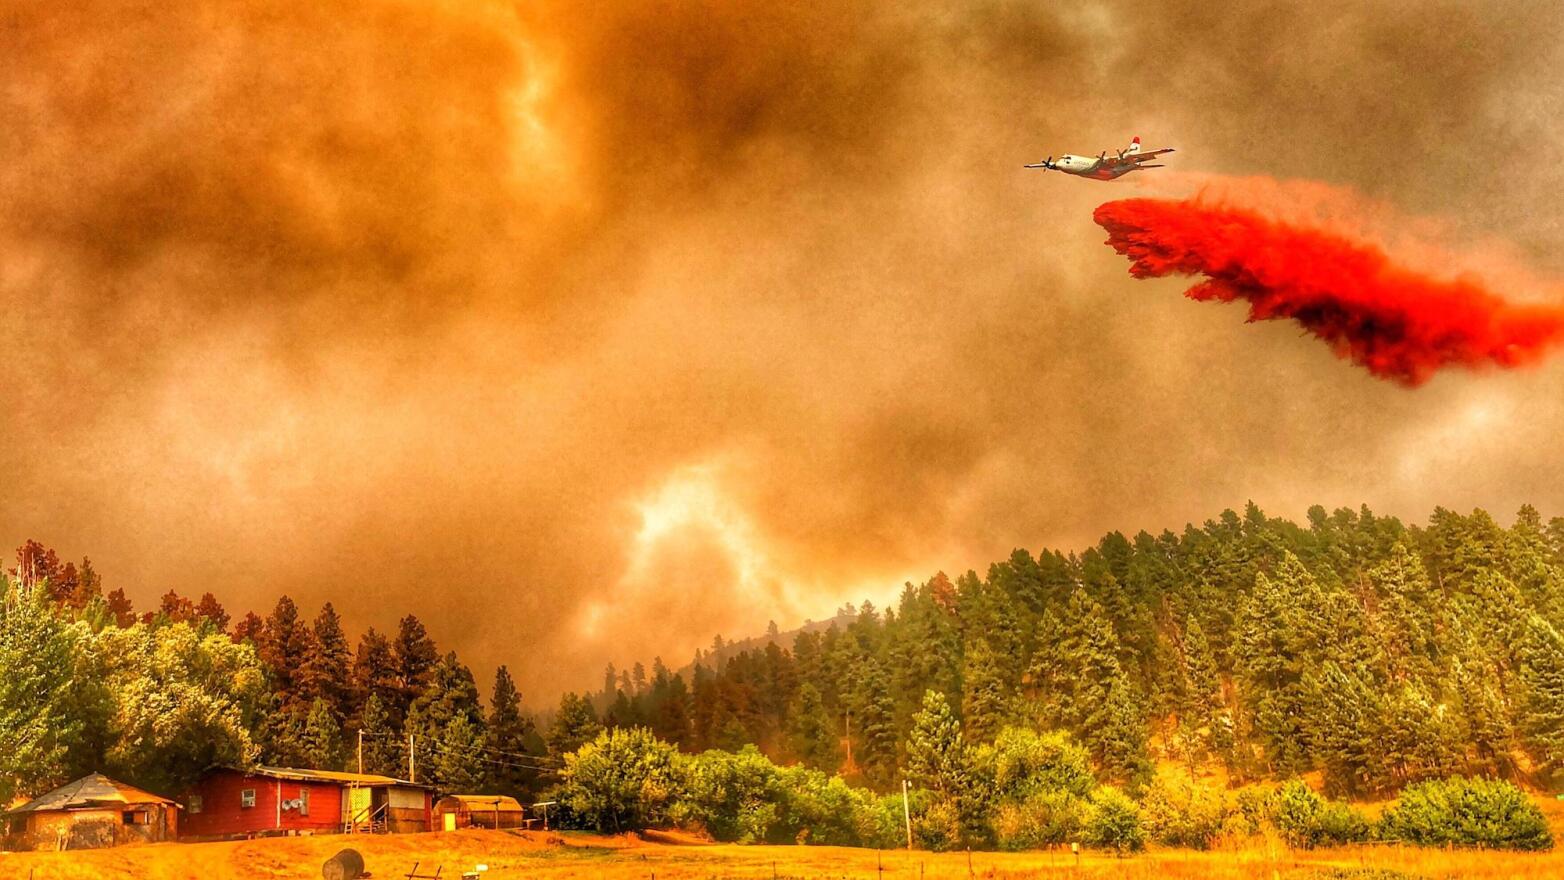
pixel 90 792
pixel 300 774
pixel 486 802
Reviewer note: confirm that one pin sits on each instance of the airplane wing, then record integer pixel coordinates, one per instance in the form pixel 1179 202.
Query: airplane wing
pixel 1149 154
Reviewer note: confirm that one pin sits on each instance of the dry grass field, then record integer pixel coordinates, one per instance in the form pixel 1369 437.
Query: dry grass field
pixel 514 855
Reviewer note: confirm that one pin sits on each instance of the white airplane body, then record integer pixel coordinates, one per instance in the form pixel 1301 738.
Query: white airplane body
pixel 1103 166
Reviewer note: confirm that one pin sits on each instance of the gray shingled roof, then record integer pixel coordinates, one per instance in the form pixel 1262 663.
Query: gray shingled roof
pixel 87 792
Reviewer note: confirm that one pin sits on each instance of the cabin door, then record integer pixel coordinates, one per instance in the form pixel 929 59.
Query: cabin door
pixel 358 805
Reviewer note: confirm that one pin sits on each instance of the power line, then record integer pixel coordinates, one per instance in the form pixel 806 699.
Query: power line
pixel 506 752
pixel 441 747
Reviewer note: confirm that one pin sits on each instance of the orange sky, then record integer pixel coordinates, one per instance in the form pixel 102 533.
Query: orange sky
pixel 588 331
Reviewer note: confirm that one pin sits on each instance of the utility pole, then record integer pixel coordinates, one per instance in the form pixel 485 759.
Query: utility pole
pixel 361 751
pixel 849 722
pixel 411 775
pixel 906 814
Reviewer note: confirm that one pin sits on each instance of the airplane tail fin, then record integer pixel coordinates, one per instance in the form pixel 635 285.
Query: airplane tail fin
pixel 1134 146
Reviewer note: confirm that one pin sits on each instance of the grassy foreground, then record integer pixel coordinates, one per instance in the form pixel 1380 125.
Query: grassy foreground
pixel 675 857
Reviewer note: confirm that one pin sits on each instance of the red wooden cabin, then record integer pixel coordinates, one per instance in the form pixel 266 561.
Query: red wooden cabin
pixel 228 802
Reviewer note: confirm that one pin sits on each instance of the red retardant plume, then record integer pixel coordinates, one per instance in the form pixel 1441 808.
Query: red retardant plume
pixel 1394 320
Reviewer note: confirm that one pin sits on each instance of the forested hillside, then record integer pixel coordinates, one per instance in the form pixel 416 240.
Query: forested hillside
pixel 1378 653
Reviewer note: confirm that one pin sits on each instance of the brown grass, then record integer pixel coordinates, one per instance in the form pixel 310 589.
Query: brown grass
pixel 671 856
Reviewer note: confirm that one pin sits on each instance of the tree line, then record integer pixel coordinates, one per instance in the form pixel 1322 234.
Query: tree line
pixel 1374 653
pixel 1377 654
pixel 157 698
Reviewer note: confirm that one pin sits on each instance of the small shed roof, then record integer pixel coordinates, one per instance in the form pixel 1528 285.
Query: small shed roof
pixel 487 803
pixel 90 792
pixel 294 773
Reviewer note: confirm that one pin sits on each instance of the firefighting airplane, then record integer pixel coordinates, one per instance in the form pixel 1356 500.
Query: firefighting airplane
pixel 1104 167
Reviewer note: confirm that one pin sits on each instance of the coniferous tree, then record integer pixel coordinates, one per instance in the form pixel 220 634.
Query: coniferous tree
pixel 575 724
pixel 1346 723
pixel 670 713
pixel 985 704
pixel 320 741
pixel 121 608
pixel 457 764
pixel 285 645
pixel 283 734
pixel 1115 734
pixel 874 722
pixel 1047 683
pixel 328 667
pixel 175 608
pixel 704 722
pixel 1270 660
pixel 1419 740
pixel 384 749
pixel 813 733
pixel 937 756
pixel 1408 609
pixel 510 735
pixel 1541 652
pixel 449 692
pixel 246 629
pixel 89 587
pixel 415 660
pixel 211 610
pixel 1484 715
pixel 376 674
pixel 1200 708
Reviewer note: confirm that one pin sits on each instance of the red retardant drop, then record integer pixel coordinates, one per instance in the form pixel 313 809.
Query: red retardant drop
pixel 1395 321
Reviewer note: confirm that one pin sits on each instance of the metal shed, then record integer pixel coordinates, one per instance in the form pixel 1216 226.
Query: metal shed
pixel 478 811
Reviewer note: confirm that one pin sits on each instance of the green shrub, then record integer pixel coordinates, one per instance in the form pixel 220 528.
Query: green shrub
pixel 1339 823
pixel 625 780
pixel 1047 818
pixel 825 810
pixel 728 795
pixel 1251 809
pixel 1113 822
pixel 1305 820
pixel 938 826
pixel 1180 813
pixel 1021 762
pixel 1467 812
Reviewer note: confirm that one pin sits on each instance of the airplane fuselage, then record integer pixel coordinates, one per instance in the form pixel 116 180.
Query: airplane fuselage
pixel 1091 166
pixel 1104 166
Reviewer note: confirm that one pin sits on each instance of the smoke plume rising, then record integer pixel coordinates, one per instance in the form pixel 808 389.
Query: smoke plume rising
pixel 589 331
pixel 1397 321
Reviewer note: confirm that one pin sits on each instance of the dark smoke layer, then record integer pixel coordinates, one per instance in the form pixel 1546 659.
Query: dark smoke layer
pixel 1399 322
pixel 589 331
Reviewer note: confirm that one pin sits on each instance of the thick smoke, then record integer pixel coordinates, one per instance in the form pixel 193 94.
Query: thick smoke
pixel 587 331
pixel 1399 322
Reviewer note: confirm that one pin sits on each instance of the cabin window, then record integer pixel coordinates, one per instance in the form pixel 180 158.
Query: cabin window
pixel 247 798
pixel 304 802
pixel 195 803
pixel 137 817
